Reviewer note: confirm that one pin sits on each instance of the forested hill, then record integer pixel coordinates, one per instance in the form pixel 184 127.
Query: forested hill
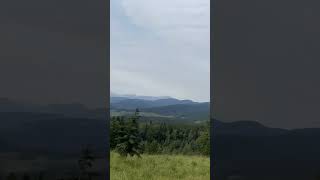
pixel 165 109
pixel 126 103
pixel 241 146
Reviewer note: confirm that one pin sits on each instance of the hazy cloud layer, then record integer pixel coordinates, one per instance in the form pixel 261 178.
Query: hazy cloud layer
pixel 161 48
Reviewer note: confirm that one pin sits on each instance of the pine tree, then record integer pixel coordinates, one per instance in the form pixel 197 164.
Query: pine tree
pixel 187 149
pixel 129 137
pixel 203 141
pixel 153 147
pixel 114 131
pixel 145 132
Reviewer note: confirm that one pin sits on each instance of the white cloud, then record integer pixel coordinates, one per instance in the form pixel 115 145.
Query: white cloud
pixel 176 20
pixel 161 48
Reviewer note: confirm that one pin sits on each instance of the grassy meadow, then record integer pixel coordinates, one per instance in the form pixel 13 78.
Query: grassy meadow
pixel 159 167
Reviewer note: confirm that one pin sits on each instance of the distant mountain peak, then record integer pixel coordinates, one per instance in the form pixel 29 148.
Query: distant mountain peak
pixel 134 96
pixel 133 102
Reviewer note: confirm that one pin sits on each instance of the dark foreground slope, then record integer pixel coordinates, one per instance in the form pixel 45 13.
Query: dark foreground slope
pixel 249 150
pixel 50 139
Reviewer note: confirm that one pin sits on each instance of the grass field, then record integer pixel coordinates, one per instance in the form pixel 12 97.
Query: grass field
pixel 159 167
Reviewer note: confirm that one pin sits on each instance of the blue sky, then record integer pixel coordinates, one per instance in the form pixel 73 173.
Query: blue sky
pixel 161 48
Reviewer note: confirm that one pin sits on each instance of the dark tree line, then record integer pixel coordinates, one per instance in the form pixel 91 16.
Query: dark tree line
pixel 128 136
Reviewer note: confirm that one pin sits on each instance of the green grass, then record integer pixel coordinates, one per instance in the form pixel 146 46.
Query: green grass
pixel 159 167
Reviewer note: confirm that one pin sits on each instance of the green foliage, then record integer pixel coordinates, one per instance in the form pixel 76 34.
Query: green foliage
pixel 115 130
pixel 158 138
pixel 152 147
pixel 203 143
pixel 126 136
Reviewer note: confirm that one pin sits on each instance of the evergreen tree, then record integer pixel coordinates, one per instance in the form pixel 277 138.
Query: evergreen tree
pixel 129 139
pixel 145 132
pixel 153 147
pixel 114 131
pixel 126 137
pixel 187 149
pixel 203 141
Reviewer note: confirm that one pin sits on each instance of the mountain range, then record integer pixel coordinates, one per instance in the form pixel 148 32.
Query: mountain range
pixel 239 146
pixel 161 108
pixel 133 96
pixel 242 149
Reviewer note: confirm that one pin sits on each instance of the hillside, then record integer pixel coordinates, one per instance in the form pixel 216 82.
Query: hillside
pixel 240 144
pixel 245 145
pixel 49 133
pixel 245 128
pixel 125 103
pixel 162 109
pixel 183 111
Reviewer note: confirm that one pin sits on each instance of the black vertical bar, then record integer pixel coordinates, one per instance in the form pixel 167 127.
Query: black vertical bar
pixel 108 90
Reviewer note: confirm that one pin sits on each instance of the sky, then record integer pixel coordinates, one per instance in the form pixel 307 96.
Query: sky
pixel 53 52
pixel 160 48
pixel 266 68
